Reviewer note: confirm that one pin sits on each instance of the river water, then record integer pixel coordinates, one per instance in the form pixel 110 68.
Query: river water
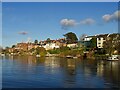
pixel 54 72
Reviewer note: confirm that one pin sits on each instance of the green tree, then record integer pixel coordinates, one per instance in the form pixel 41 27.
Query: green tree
pixel 7 47
pixel 112 43
pixel 32 50
pixel 48 40
pixel 93 42
pixel 41 51
pixel 108 46
pixel 36 41
pixel 71 38
pixel 13 46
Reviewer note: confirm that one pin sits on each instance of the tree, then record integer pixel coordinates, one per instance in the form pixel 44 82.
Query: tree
pixel 112 44
pixel 32 50
pixel 7 47
pixel 36 41
pixel 71 38
pixel 13 46
pixel 93 42
pixel 41 51
pixel 48 40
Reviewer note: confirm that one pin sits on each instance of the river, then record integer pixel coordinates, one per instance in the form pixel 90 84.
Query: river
pixel 55 72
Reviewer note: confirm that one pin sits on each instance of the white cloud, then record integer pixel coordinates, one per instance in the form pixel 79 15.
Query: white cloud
pixel 107 17
pixel 112 17
pixel 87 21
pixel 66 23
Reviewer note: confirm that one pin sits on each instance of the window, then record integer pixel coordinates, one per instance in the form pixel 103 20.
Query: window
pixel 99 38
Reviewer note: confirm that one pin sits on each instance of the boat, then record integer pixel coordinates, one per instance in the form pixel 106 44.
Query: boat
pixel 2 55
pixel 75 57
pixel 48 55
pixel 68 56
pixel 37 55
pixel 114 58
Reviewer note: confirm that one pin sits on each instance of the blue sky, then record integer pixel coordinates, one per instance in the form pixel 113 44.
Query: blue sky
pixel 40 21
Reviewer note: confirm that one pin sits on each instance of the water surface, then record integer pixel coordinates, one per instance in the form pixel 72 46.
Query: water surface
pixel 54 72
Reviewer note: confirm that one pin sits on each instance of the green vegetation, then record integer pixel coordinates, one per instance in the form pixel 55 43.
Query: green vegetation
pixel 64 51
pixel 13 46
pixel 54 51
pixel 36 41
pixel 71 37
pixel 83 48
pixel 112 44
pixel 40 51
pixel 93 43
pixel 48 40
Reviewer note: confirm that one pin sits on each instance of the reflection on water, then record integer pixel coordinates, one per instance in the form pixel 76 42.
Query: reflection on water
pixel 56 72
pixel 110 70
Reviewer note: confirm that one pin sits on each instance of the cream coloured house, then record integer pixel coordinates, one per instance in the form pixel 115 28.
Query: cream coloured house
pixel 100 41
pixel 72 45
pixel 50 46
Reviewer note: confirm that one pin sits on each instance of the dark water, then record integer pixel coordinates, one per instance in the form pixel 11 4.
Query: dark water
pixel 53 72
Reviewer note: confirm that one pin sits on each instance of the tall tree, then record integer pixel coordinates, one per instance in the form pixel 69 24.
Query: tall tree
pixel 112 44
pixel 48 40
pixel 13 46
pixel 71 38
pixel 41 51
pixel 93 42
pixel 36 41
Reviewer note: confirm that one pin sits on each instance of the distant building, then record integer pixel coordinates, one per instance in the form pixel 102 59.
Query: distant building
pixel 101 39
pixel 31 46
pixel 50 46
pixel 72 45
pixel 86 41
pixel 87 38
pixel 11 50
pixel 22 46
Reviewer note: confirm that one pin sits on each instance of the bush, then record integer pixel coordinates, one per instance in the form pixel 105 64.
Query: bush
pixel 54 51
pixel 41 51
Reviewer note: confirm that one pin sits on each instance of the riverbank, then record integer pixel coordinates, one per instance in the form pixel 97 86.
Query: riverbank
pixel 63 52
pixel 53 55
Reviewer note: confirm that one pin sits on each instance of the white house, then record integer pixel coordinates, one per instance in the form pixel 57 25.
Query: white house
pixel 72 45
pixel 87 38
pixel 49 46
pixel 100 41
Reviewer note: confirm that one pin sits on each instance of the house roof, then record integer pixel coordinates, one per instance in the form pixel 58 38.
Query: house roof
pixel 103 35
